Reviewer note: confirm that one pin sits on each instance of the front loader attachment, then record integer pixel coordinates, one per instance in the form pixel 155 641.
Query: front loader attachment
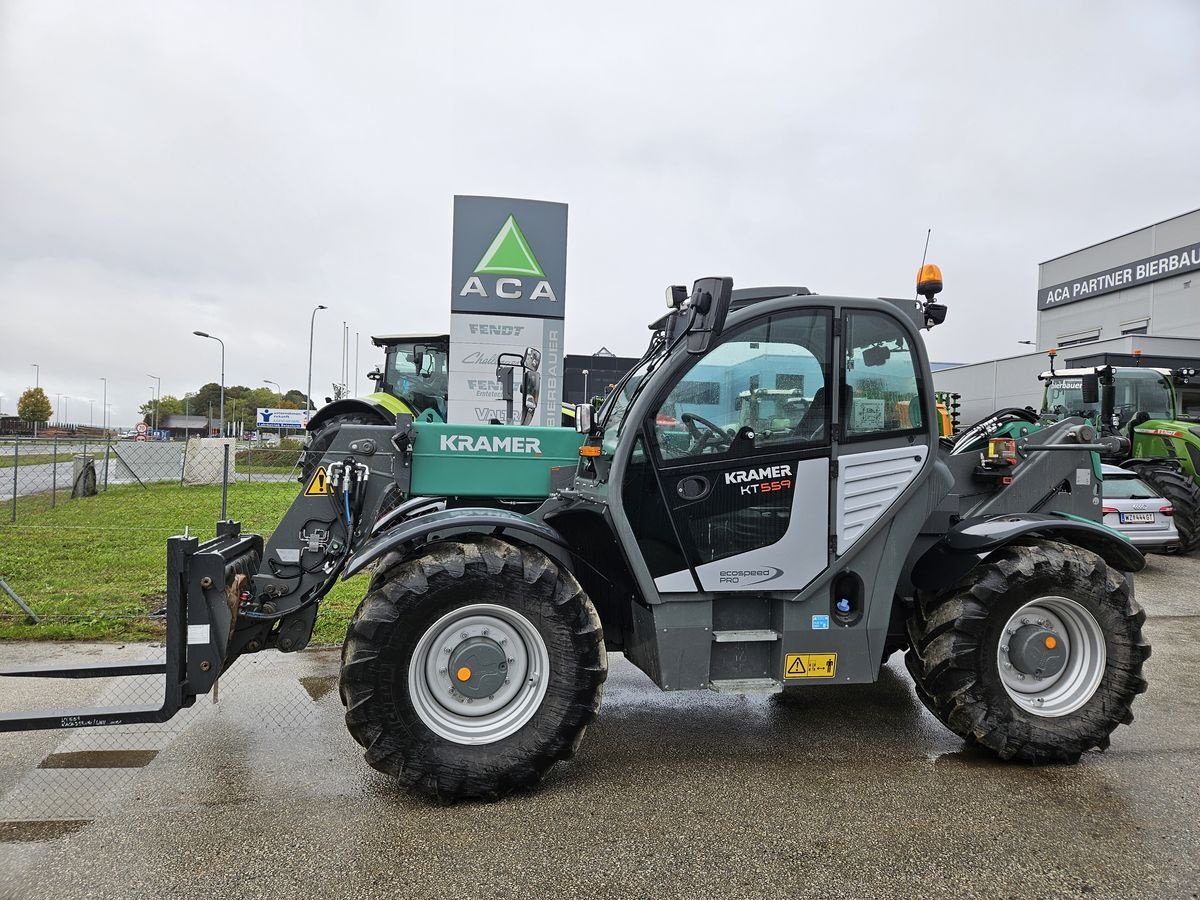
pixel 204 585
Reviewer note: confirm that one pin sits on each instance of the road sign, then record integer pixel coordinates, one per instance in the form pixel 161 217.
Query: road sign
pixel 141 428
pixel 281 418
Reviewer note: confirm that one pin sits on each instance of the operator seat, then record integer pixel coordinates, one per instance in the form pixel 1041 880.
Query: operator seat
pixel 814 416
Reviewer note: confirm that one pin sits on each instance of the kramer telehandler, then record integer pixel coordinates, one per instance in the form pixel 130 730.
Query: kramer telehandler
pixel 753 562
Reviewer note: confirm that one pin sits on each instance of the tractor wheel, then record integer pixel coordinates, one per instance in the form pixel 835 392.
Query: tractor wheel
pixel 318 441
pixel 469 670
pixel 1036 655
pixel 1183 494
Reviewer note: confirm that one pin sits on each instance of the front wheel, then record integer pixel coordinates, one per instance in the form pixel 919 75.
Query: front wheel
pixel 1037 654
pixel 469 670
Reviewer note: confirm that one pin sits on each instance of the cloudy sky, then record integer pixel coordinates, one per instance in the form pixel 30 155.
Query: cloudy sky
pixel 167 167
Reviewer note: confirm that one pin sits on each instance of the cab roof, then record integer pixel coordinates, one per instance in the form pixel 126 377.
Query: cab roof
pixel 384 340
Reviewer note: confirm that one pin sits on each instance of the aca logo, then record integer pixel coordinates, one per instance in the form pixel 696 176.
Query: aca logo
pixel 510 256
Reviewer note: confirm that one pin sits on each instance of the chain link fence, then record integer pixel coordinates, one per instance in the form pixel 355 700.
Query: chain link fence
pixel 84 524
pixel 83 535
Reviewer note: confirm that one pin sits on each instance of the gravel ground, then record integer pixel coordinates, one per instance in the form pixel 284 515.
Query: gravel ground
pixel 848 792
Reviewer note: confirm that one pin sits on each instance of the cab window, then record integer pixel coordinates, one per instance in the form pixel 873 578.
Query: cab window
pixel 881 390
pixel 760 388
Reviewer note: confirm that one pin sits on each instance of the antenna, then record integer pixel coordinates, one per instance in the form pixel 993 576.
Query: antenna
pixel 924 255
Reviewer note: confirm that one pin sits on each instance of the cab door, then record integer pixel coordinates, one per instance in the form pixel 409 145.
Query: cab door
pixel 728 487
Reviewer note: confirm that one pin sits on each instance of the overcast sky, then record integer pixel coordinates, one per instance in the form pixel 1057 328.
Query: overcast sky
pixel 167 167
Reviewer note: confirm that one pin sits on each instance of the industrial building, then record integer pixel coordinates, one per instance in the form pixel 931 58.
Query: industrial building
pixel 1130 299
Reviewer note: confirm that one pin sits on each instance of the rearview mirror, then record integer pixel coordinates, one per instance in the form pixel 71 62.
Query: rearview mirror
pixel 1091 388
pixel 876 356
pixel 585 418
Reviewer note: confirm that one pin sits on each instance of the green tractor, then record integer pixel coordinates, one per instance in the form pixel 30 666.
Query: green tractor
pixel 414 381
pixel 1139 409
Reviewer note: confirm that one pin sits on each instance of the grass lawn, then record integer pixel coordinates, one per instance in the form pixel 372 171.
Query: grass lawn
pixel 94 568
pixel 42 459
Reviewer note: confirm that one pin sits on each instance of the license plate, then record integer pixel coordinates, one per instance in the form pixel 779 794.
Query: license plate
pixel 1132 518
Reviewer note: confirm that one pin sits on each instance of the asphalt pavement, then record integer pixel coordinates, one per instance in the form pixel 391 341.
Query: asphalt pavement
pixel 847 792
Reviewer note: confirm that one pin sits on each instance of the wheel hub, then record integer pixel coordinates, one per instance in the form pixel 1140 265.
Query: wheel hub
pixel 1037 651
pixel 1051 656
pixel 478 674
pixel 480 666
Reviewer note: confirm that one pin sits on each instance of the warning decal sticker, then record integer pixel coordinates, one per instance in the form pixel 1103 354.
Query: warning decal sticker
pixel 319 486
pixel 810 665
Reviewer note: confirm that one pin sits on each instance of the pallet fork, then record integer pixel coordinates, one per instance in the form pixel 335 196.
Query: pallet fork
pixel 201 607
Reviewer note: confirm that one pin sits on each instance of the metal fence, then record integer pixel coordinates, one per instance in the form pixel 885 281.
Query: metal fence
pixel 83 529
pixel 83 524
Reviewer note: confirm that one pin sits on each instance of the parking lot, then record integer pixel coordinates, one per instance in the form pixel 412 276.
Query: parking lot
pixel 849 792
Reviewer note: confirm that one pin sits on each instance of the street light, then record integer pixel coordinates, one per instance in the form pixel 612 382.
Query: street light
pixel 37 375
pixel 205 334
pixel 91 409
pixel 158 398
pixel 278 389
pixel 104 406
pixel 311 324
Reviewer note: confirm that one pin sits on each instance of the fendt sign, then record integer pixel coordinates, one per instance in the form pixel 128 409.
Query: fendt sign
pixel 508 292
pixel 1119 278
pixel 510 257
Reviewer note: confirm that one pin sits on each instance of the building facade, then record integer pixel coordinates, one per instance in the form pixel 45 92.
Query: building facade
pixel 1146 282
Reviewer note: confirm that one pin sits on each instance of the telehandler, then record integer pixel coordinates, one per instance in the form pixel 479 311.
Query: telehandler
pixel 753 562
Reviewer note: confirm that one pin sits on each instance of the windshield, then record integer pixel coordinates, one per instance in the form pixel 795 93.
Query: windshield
pixel 424 386
pixel 616 404
pixel 1136 391
pixel 1123 487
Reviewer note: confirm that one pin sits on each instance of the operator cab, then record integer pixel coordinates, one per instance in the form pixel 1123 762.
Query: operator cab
pixel 416 369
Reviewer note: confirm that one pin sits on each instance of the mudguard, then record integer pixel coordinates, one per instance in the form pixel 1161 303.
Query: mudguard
pixel 972 540
pixel 362 406
pixel 453 522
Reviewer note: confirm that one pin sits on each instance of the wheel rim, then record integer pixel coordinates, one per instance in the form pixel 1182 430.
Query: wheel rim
pixel 1081 639
pixel 478 707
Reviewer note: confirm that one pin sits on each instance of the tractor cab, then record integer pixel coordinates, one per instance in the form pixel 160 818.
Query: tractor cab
pixel 1138 393
pixel 415 369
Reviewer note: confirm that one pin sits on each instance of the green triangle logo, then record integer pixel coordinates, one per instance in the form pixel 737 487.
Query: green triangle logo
pixel 509 254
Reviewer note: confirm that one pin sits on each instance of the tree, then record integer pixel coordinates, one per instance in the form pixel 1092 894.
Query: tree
pixel 34 406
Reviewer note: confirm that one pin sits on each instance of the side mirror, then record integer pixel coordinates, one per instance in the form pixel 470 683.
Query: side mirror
pixel 1091 388
pixel 585 418
pixel 532 359
pixel 418 358
pixel 375 374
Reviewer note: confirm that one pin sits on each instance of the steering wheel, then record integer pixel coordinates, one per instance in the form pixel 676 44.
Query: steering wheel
pixel 701 439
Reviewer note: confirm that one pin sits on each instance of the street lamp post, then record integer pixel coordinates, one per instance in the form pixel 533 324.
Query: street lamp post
pixel 205 334
pixel 158 398
pixel 311 324
pixel 37 383
pixel 278 389
pixel 104 407
pixel 91 409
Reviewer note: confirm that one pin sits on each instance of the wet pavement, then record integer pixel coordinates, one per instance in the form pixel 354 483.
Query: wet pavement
pixel 850 791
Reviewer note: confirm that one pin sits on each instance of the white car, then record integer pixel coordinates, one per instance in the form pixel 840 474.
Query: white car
pixel 1136 510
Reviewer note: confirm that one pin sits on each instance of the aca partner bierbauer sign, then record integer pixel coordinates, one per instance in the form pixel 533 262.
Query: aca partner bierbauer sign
pixel 1118 278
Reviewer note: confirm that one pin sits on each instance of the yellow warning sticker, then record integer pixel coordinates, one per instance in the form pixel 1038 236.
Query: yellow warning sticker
pixel 810 665
pixel 319 486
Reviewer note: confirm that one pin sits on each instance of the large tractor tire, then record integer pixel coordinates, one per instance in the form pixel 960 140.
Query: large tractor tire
pixel 1036 655
pixel 469 670
pixel 318 441
pixel 1183 494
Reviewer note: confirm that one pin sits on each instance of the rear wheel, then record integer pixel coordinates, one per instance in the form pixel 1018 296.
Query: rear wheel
pixel 471 669
pixel 1037 656
pixel 318 441
pixel 1183 493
